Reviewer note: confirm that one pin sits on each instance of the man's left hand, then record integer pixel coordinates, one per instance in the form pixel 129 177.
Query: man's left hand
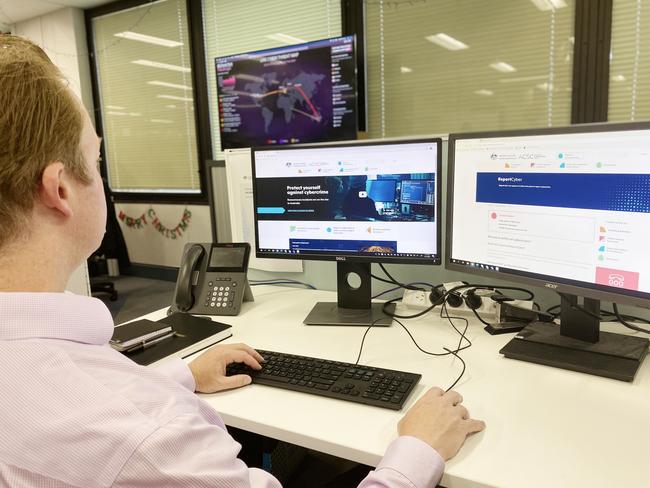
pixel 209 369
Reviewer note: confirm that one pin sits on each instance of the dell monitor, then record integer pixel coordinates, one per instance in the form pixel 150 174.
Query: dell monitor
pixel 291 94
pixel 567 209
pixel 345 203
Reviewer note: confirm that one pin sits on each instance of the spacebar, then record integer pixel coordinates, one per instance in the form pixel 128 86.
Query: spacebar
pixel 270 377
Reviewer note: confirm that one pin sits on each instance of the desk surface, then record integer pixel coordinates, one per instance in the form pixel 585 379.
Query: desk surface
pixel 546 427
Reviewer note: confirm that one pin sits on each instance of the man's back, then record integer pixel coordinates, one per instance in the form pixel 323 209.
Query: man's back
pixel 70 401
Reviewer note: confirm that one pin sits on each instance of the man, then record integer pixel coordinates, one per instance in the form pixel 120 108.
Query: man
pixel 75 413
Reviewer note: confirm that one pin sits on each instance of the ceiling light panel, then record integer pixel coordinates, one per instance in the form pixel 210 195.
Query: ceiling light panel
pixel 158 41
pixel 446 41
pixel 156 64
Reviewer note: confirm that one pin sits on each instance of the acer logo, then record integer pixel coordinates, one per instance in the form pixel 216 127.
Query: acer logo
pixel 552 286
pixel 340 258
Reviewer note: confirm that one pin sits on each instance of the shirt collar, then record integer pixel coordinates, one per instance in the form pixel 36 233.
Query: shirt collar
pixel 54 316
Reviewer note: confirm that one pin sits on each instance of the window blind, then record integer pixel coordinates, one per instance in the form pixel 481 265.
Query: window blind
pixel 235 26
pixel 629 70
pixel 145 85
pixel 447 65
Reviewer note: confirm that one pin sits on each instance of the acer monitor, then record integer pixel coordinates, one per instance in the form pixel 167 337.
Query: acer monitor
pixel 563 208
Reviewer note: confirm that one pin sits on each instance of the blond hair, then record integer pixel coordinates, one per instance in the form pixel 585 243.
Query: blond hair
pixel 40 122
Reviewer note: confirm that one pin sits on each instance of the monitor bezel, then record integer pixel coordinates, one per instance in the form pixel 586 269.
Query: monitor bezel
pixel 260 52
pixel 553 283
pixel 436 260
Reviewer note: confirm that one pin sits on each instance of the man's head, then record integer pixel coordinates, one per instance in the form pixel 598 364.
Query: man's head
pixel 48 155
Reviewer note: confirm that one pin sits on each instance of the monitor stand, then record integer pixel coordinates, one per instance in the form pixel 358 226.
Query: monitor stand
pixel 354 305
pixel 578 344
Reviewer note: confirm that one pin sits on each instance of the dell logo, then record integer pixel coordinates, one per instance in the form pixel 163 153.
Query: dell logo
pixel 552 286
pixel 340 258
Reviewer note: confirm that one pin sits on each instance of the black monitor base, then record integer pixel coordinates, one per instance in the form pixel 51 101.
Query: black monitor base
pixel 614 356
pixel 354 303
pixel 329 313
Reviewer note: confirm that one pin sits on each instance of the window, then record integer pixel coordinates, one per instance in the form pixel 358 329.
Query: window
pixel 629 70
pixel 235 26
pixel 449 65
pixel 145 88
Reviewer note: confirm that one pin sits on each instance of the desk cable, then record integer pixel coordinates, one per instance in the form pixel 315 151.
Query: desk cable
pixel 450 318
pixel 623 319
pixel 281 281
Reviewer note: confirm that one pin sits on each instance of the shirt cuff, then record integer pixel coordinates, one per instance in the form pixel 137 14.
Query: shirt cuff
pixel 415 460
pixel 179 371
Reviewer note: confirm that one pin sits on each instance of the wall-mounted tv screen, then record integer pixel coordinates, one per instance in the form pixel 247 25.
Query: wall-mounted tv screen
pixel 288 95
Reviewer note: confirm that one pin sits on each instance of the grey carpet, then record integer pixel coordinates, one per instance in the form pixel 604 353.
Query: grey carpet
pixel 136 296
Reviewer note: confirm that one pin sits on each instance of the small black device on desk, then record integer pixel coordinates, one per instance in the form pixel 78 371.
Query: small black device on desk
pixel 379 387
pixel 212 279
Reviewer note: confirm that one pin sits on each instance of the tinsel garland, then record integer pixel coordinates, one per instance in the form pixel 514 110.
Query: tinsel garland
pixel 173 233
pixel 170 233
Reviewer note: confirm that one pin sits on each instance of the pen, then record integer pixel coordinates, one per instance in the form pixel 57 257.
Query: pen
pixel 145 345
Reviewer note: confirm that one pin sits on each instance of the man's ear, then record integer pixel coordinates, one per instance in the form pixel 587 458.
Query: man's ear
pixel 54 190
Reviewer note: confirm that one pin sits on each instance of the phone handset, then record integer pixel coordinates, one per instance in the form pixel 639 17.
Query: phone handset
pixel 184 298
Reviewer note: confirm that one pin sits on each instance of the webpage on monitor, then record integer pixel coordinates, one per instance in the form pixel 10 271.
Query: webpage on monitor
pixel 364 200
pixel 572 206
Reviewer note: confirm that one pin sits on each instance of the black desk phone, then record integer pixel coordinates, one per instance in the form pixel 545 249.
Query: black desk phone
pixel 212 279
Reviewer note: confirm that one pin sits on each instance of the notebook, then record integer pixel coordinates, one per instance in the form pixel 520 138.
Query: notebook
pixel 191 334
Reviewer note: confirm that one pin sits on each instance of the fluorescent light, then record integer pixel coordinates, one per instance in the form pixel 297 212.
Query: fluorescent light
pixel 156 64
pixel 546 5
pixel 523 78
pixel 405 69
pixel 618 78
pixel 161 121
pixel 503 67
pixel 173 97
pixel 485 93
pixel 115 112
pixel 448 42
pixel 169 85
pixel 285 38
pixel 170 106
pixel 114 107
pixel 134 36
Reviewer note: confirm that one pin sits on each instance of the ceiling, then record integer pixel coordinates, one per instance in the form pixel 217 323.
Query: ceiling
pixel 12 11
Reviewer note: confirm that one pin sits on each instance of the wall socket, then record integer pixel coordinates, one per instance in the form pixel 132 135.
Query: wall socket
pixel 416 299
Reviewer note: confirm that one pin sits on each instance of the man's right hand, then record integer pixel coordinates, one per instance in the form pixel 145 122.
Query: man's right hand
pixel 439 419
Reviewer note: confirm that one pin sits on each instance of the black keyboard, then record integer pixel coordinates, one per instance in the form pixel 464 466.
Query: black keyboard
pixel 385 388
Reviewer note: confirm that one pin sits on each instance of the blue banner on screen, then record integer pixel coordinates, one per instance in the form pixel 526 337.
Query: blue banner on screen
pixel 389 247
pixel 613 192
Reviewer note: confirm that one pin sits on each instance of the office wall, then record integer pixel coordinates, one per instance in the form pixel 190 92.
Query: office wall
pixel 147 245
pixel 62 34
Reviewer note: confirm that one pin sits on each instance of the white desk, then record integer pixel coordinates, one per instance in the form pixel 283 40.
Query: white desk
pixel 546 427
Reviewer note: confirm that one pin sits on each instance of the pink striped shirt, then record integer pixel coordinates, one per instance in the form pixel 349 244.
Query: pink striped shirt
pixel 76 413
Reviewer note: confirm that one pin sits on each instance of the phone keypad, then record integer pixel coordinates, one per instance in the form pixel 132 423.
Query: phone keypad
pixel 221 293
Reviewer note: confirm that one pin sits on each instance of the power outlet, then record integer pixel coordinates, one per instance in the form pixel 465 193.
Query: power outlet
pixel 488 308
pixel 416 299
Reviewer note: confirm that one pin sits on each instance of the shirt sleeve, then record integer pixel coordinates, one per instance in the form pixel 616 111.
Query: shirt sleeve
pixel 179 371
pixel 188 451
pixel 408 463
